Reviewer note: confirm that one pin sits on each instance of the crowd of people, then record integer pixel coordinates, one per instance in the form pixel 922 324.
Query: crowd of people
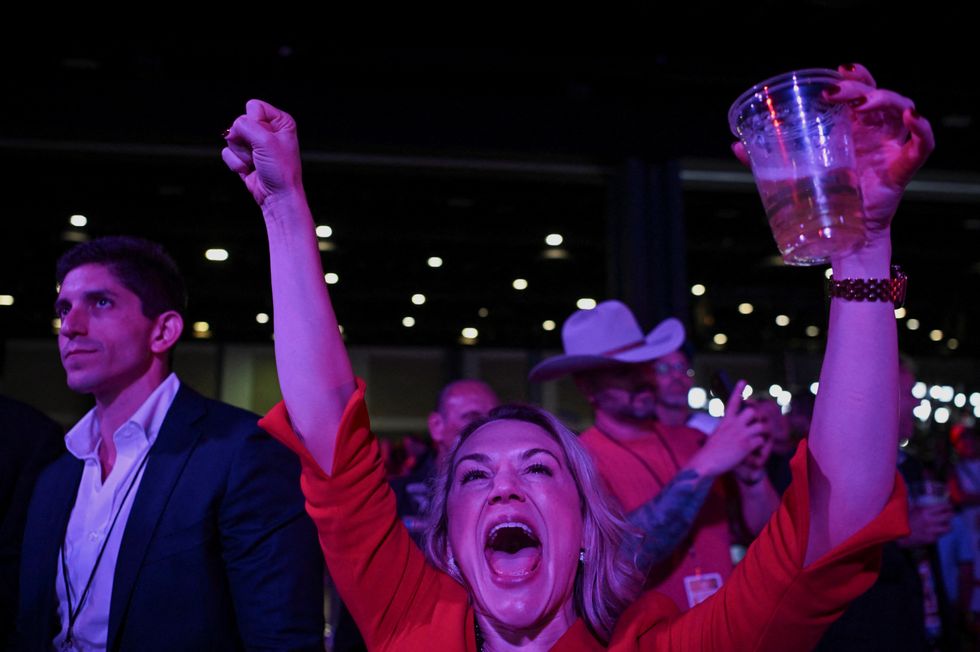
pixel 174 521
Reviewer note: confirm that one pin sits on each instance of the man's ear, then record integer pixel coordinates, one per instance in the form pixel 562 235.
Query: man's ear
pixel 437 427
pixel 167 328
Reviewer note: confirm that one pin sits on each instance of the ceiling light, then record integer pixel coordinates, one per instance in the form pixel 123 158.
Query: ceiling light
pixel 216 255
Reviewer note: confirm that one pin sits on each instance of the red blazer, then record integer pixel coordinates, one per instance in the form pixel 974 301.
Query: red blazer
pixel 402 603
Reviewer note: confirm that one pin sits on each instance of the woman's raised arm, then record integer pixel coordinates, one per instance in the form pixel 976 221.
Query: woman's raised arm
pixel 314 371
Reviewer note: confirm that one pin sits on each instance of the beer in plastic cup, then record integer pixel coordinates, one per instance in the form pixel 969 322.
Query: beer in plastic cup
pixel 802 155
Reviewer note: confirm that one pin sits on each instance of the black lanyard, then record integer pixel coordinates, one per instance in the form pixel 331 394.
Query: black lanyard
pixel 639 458
pixel 74 612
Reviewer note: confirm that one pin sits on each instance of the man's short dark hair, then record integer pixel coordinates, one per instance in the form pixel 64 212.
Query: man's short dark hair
pixel 143 267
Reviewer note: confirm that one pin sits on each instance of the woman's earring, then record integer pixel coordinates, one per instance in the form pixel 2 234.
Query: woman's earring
pixel 581 556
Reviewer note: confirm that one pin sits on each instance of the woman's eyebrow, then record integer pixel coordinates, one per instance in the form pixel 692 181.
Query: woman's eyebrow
pixel 476 457
pixel 531 452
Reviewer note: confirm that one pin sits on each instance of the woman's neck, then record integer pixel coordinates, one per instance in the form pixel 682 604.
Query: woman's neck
pixel 497 637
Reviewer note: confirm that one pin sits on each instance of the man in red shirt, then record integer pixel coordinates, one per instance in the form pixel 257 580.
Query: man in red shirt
pixel 663 476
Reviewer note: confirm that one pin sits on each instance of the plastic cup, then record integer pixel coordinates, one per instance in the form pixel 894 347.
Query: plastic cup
pixel 802 156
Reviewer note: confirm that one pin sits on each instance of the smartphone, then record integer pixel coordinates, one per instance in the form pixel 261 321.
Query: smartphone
pixel 722 385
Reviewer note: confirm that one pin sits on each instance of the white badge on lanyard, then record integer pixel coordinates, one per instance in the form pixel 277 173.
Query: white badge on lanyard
pixel 700 587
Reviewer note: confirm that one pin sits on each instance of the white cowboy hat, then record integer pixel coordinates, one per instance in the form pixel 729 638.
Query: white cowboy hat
pixel 605 336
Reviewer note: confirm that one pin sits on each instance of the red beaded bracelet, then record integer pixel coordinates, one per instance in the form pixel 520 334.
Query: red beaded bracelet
pixel 871 289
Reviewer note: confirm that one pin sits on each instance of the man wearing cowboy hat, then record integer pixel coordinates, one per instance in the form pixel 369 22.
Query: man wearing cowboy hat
pixel 663 476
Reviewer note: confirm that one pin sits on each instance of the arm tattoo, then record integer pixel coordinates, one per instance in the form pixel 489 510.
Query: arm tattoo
pixel 665 520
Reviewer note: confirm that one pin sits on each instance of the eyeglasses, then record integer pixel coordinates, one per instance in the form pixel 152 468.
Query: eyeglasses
pixel 665 368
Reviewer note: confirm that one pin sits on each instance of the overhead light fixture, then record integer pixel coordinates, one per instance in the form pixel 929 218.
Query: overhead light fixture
pixel 216 255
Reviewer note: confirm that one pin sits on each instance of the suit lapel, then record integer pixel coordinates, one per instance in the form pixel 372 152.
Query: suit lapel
pixel 177 438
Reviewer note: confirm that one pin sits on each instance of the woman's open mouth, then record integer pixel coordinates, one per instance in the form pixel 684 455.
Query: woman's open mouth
pixel 513 551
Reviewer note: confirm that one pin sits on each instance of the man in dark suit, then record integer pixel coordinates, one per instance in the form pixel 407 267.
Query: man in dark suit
pixel 172 522
pixel 29 441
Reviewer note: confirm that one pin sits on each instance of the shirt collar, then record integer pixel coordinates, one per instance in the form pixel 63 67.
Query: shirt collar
pixel 82 440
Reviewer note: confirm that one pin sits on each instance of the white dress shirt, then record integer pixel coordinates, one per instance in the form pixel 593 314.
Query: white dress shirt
pixel 96 504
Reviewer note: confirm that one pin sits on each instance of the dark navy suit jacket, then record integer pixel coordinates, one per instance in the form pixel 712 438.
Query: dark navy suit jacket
pixel 218 552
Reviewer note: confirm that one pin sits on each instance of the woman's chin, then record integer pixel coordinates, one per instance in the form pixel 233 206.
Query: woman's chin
pixel 528 607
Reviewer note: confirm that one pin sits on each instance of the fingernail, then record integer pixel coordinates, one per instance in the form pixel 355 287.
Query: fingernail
pixel 857 101
pixel 850 67
pixel 832 89
pixel 224 134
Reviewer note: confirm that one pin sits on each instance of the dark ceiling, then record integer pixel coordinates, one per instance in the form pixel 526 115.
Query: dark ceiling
pixel 470 155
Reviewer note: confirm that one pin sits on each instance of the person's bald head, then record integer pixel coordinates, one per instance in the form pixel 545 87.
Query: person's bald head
pixel 459 403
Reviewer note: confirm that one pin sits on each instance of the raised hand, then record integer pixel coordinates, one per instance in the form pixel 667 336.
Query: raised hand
pixel 753 468
pixel 261 146
pixel 737 436
pixel 891 141
pixel 314 371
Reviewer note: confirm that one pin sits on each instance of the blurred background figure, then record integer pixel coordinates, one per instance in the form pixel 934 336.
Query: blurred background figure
pixel 459 403
pixel 667 476
pixel 29 441
pixel 964 485
pixel 673 380
pixel 777 427
pixel 907 608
